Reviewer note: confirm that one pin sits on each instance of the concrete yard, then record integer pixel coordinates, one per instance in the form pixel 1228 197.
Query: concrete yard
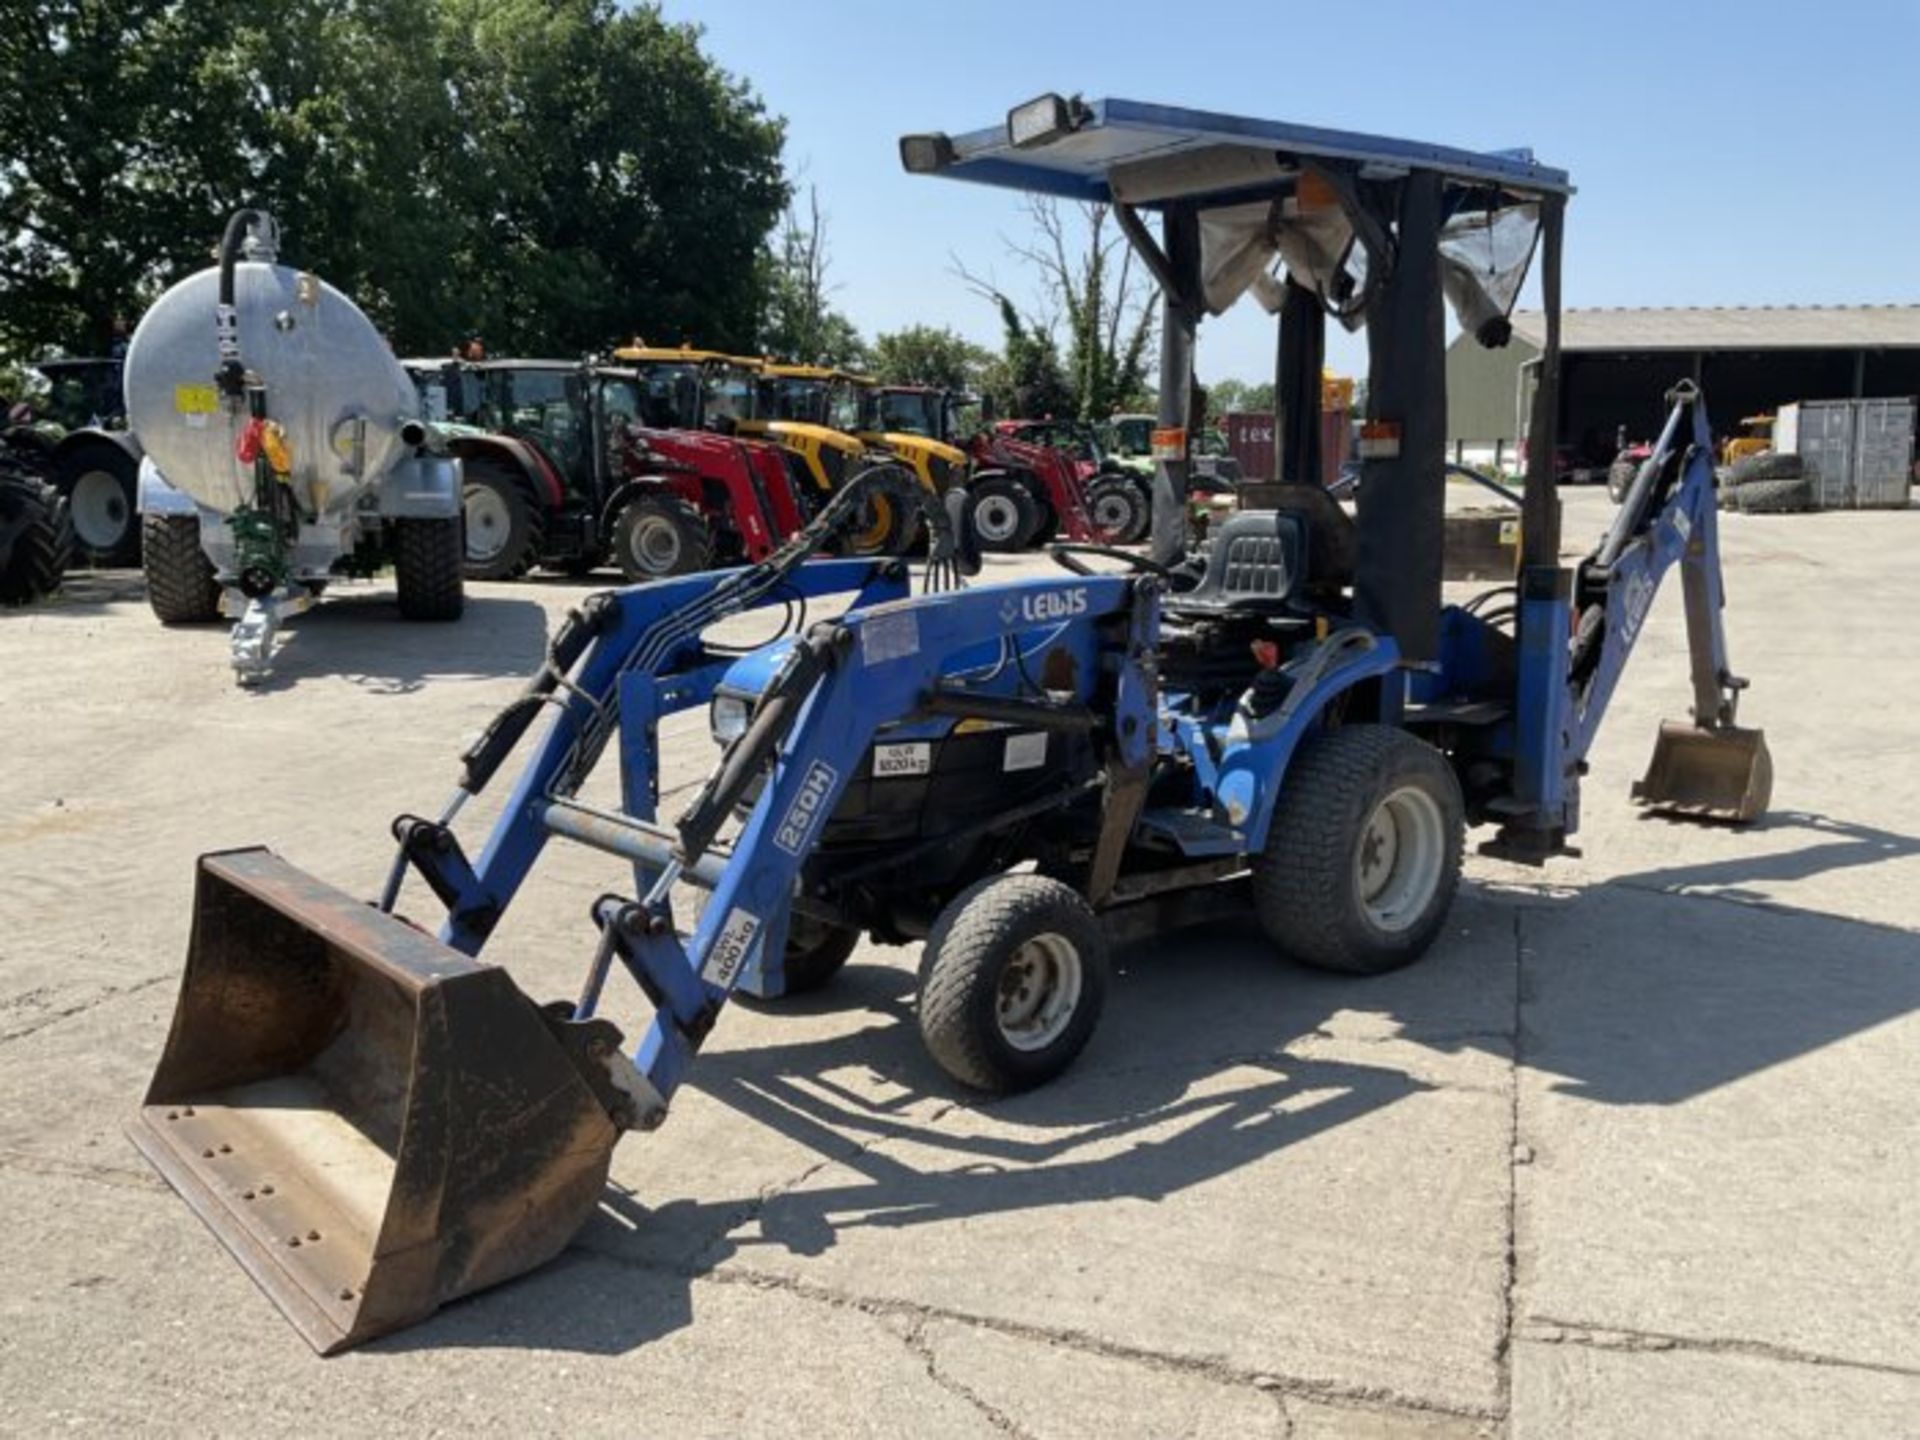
pixel 1633 1152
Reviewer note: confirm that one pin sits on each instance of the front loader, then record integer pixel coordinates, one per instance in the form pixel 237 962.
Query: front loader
pixel 1289 723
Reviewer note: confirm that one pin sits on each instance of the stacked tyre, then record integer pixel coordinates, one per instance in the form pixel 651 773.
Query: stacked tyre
pixel 1770 483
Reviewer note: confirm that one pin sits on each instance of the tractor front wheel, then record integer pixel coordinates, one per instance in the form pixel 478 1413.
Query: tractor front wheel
pixel 1363 852
pixel 1120 513
pixel 1012 982
pixel 99 480
pixel 658 535
pixel 1004 515
pixel 502 527
pixel 815 952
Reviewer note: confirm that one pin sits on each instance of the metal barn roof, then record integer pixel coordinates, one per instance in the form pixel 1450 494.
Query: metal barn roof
pixel 1735 327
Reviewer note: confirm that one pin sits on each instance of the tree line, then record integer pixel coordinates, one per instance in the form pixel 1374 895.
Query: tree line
pixel 551 175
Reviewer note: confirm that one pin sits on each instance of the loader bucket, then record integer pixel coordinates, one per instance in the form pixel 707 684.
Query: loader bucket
pixel 371 1122
pixel 1714 774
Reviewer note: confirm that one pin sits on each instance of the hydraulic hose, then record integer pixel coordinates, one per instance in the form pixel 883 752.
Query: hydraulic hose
pixel 232 374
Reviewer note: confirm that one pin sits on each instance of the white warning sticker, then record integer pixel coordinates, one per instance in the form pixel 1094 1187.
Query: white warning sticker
pixel 907 758
pixel 730 949
pixel 889 635
pixel 1026 752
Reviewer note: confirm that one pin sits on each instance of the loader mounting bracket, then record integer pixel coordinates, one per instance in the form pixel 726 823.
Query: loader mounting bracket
pixel 433 849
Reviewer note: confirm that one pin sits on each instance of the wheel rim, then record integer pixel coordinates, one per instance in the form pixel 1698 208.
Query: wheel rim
pixel 1400 858
pixel 655 543
pixel 996 518
pixel 489 523
pixel 1112 513
pixel 879 526
pixel 1039 992
pixel 99 509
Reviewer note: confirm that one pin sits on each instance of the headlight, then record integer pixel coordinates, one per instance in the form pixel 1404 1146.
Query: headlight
pixel 728 717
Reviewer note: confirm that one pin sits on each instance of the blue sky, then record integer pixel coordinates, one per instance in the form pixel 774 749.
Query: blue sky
pixel 1725 154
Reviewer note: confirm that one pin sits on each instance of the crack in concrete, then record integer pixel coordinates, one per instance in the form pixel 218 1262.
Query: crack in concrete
pixel 1510 1260
pixel 112 992
pixel 1333 1392
pixel 21 1162
pixel 917 1342
pixel 1547 1330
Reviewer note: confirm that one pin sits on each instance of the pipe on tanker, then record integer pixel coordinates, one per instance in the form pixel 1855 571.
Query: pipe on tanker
pixel 232 374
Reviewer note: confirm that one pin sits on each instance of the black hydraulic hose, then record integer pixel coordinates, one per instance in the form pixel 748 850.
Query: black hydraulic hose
pixel 773 717
pixel 232 374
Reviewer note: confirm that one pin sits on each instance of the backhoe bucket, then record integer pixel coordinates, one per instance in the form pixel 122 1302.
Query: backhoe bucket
pixel 371 1122
pixel 1714 774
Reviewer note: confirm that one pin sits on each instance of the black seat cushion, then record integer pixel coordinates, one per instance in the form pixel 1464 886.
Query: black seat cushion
pixel 1254 566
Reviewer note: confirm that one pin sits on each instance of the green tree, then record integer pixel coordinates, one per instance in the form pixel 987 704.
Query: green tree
pixel 1027 380
pixel 1228 395
pixel 555 173
pixel 930 355
pixel 107 179
pixel 1092 287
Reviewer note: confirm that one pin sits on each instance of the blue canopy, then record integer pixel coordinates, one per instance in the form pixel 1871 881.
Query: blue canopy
pixel 1147 155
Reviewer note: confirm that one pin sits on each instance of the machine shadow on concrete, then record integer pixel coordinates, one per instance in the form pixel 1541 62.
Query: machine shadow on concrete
pixel 356 634
pixel 1622 996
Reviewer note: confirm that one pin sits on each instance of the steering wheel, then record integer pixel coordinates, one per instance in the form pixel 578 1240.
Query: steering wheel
pixel 1065 554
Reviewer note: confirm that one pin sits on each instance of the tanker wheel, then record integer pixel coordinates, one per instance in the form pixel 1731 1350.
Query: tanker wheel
pixel 659 535
pixel 503 529
pixel 429 558
pixel 36 538
pixel 181 586
pixel 1004 515
pixel 100 480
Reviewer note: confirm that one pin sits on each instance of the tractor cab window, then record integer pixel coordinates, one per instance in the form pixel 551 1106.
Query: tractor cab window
pixel 669 397
pixel 843 407
pixel 795 398
pixel 907 412
pixel 1133 436
pixel 728 395
pixel 619 402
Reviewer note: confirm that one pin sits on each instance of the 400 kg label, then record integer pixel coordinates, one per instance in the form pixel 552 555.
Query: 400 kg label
pixel 730 948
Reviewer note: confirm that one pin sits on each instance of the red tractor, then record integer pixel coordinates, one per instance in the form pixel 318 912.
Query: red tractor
pixel 1030 486
pixel 1119 503
pixel 567 465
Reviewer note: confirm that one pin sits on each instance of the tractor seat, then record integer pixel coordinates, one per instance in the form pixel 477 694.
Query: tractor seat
pixel 1254 566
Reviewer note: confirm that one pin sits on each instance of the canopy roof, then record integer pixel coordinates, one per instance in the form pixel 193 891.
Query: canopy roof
pixel 1149 155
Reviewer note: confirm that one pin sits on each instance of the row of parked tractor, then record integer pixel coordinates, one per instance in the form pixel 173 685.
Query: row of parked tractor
pixel 668 461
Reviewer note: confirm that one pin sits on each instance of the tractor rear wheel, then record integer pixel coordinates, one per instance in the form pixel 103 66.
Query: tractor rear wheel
pixel 1363 852
pixel 36 538
pixel 100 481
pixel 1004 515
pixel 181 586
pixel 503 529
pixel 1118 510
pixel 657 535
pixel 1012 982
pixel 429 557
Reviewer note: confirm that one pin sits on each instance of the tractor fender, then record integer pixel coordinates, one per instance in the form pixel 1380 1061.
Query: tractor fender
pixel 120 439
pixel 1253 768
pixel 542 481
pixel 157 497
pixel 634 485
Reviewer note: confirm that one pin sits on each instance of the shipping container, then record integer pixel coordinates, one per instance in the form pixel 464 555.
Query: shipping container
pixel 1859 453
pixel 1253 440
